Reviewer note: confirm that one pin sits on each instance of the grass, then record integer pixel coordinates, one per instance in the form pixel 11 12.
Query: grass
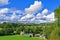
pixel 17 37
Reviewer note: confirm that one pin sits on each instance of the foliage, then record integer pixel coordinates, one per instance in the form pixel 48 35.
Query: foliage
pixel 57 15
pixel 9 28
pixel 55 35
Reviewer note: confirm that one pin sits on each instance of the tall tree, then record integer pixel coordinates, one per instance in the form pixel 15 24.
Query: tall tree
pixel 55 34
pixel 57 15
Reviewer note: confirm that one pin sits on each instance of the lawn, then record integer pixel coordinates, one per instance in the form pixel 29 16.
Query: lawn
pixel 17 37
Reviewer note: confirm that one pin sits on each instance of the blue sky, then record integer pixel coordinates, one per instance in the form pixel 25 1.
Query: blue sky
pixel 22 8
pixel 22 4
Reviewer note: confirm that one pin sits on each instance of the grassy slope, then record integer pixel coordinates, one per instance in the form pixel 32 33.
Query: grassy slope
pixel 16 37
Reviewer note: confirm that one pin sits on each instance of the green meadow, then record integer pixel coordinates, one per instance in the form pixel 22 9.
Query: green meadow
pixel 18 37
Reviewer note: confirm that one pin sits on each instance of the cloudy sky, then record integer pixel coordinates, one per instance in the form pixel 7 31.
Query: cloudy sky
pixel 28 11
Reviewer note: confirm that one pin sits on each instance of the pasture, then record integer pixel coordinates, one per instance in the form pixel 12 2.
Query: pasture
pixel 17 37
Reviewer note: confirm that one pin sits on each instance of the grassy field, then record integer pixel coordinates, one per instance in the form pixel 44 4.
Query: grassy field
pixel 17 37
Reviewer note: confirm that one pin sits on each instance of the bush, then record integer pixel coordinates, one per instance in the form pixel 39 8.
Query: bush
pixel 55 35
pixel 18 30
pixel 6 31
pixel 9 31
pixel 2 32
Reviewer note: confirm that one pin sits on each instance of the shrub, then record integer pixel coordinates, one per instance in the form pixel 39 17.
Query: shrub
pixel 6 31
pixel 55 35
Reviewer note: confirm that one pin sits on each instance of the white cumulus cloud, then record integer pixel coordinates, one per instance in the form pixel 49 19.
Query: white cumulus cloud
pixel 4 10
pixel 34 7
pixel 14 17
pixel 27 16
pixel 4 2
pixel 50 17
pixel 45 11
